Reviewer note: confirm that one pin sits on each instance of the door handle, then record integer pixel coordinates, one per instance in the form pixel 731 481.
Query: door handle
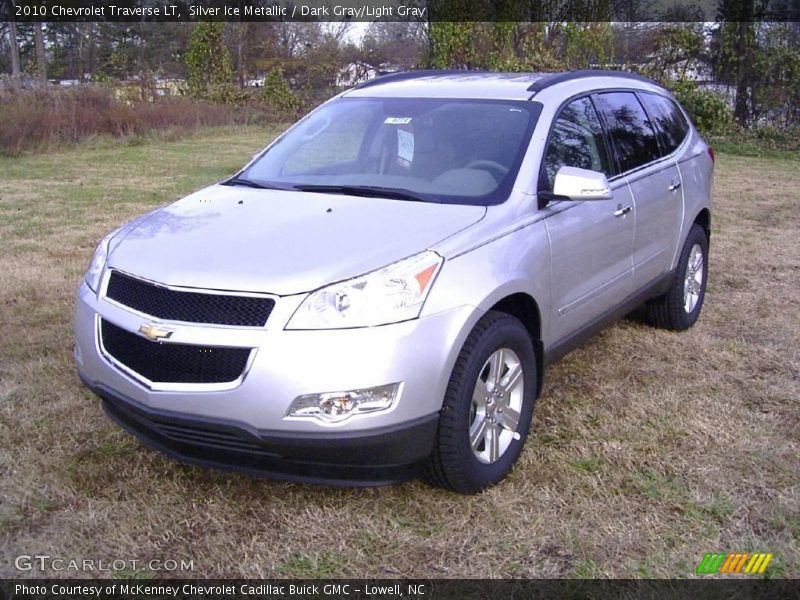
pixel 675 186
pixel 622 211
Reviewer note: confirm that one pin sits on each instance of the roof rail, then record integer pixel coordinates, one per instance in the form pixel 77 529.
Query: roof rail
pixel 554 78
pixel 406 75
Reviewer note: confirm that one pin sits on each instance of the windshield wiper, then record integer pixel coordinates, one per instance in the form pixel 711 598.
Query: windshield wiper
pixel 250 183
pixel 370 191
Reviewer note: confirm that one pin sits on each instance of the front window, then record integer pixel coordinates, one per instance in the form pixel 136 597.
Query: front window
pixel 576 141
pixel 438 150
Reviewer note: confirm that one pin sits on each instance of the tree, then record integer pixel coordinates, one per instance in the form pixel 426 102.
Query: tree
pixel 735 46
pixel 14 49
pixel 310 56
pixel 759 60
pixel 399 45
pixel 208 62
pixel 500 46
pixel 673 51
pixel 587 45
pixel 743 50
pixel 41 59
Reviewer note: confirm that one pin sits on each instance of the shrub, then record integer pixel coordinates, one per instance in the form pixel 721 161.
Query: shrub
pixel 766 140
pixel 709 110
pixel 49 117
pixel 278 93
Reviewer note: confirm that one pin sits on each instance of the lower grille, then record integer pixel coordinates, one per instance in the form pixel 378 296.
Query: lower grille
pixel 191 435
pixel 173 363
pixel 210 437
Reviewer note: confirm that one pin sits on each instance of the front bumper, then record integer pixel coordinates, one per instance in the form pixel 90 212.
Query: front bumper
pixel 379 457
pixel 381 447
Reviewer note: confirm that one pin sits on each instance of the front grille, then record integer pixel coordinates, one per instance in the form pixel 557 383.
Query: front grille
pixel 173 363
pixel 193 307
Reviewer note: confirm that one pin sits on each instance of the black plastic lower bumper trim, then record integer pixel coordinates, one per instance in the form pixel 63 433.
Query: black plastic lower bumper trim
pixel 375 457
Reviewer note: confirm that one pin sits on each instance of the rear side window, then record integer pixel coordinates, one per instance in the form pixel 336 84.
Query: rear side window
pixel 668 119
pixel 576 141
pixel 631 132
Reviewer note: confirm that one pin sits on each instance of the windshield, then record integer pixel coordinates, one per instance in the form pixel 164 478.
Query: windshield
pixel 439 150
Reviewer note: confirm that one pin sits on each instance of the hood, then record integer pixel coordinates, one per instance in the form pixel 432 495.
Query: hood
pixel 279 242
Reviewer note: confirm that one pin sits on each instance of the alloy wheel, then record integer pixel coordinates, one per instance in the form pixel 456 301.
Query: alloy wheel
pixel 693 282
pixel 496 405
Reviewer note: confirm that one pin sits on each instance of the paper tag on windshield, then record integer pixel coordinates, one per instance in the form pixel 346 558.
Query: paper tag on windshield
pixel 405 145
pixel 397 120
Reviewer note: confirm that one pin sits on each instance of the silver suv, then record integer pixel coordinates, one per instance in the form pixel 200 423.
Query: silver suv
pixel 377 294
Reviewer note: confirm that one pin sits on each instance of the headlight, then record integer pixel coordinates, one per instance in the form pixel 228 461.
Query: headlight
pixel 388 295
pixel 95 270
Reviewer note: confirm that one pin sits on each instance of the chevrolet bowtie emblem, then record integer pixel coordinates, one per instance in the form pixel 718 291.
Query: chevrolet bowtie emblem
pixel 154 333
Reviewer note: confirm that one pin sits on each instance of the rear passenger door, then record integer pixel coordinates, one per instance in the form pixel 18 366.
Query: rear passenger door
pixel 591 268
pixel 654 181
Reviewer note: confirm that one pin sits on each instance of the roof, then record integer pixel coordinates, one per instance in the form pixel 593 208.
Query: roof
pixel 480 84
pixel 432 84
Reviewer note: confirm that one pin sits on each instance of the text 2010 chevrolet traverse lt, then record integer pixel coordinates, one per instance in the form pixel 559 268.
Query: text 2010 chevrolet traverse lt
pixel 376 295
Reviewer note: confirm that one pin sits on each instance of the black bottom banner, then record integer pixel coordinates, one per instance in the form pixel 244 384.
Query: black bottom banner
pixel 492 589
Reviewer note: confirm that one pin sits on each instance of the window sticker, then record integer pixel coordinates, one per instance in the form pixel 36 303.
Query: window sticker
pixel 405 146
pixel 397 120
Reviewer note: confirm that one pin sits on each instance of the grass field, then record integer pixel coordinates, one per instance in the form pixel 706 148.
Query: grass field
pixel 649 448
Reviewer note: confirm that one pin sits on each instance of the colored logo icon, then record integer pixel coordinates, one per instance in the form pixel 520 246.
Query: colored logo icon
pixel 734 563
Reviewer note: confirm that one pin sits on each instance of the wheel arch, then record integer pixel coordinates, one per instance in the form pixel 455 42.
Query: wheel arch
pixel 524 307
pixel 703 218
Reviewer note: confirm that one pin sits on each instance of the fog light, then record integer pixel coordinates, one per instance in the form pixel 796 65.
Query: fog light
pixel 334 407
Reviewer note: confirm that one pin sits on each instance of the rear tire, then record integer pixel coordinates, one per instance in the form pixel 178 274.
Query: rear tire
pixel 488 407
pixel 679 308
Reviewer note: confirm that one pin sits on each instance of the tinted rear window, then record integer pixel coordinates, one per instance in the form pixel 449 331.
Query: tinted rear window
pixel 668 119
pixel 631 132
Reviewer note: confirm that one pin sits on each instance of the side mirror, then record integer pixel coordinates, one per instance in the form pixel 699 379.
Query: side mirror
pixel 581 184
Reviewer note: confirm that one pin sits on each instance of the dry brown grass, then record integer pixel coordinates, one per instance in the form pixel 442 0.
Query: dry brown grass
pixel 650 448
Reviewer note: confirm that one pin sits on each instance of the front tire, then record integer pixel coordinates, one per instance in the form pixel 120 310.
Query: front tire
pixel 488 406
pixel 680 307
